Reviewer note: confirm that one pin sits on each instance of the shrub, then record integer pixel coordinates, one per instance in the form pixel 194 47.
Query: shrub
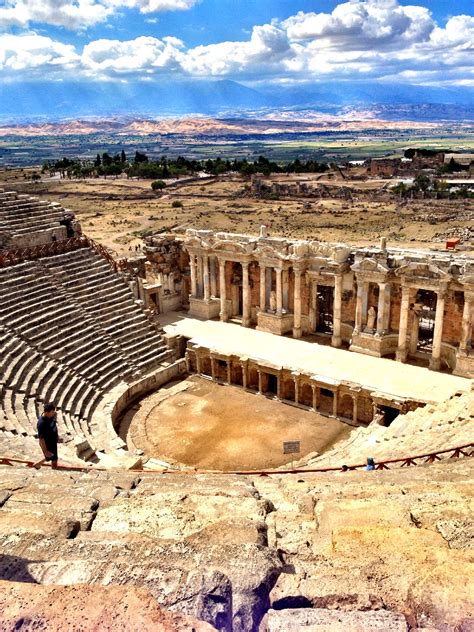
pixel 157 185
pixel 176 204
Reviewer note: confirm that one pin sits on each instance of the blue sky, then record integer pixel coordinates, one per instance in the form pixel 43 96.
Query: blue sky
pixel 255 42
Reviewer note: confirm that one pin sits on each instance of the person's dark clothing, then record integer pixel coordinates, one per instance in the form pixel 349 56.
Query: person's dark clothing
pixel 48 430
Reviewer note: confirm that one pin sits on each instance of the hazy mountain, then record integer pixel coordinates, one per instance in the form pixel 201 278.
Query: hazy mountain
pixel 58 100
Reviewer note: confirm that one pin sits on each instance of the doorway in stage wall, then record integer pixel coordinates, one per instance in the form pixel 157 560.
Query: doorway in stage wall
pixel 425 313
pixel 325 304
pixel 272 384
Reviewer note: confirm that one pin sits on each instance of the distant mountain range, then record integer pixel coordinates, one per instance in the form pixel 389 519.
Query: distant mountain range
pixel 35 101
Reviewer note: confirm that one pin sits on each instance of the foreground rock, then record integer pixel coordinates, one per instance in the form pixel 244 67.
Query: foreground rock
pixel 28 607
pixel 247 554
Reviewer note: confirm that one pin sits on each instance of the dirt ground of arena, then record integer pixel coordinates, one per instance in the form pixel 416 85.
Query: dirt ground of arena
pixel 200 423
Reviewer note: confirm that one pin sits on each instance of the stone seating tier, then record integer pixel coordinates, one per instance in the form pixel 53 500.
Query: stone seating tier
pixel 422 431
pixel 61 342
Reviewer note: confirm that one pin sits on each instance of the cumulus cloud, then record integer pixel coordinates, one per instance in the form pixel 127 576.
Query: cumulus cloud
pixel 72 15
pixel 26 53
pixel 367 39
pixel 147 55
pixel 78 14
pixel 362 25
pixel 266 49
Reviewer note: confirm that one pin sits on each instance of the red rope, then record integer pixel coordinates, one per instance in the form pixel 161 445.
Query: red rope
pixel 382 465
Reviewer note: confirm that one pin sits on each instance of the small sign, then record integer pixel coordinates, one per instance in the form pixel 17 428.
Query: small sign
pixel 291 447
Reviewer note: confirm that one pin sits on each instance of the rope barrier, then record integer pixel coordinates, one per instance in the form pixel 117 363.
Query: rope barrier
pixel 464 450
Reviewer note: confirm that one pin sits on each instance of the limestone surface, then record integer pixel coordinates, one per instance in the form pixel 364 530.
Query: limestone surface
pixel 351 550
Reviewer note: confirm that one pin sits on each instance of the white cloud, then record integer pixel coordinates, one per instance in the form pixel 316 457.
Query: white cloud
pixel 143 54
pixel 153 6
pixel 364 39
pixel 72 15
pixel 362 25
pixel 268 46
pixel 25 53
pixel 78 14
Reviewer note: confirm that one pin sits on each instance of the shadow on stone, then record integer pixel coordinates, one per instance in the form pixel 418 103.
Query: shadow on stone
pixel 15 569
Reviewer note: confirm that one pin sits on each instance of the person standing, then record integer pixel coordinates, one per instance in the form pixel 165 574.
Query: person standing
pixel 48 435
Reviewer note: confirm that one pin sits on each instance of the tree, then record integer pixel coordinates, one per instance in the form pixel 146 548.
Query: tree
pixel 422 182
pixel 158 185
pixel 123 157
pixel 106 159
pixel 97 161
pixel 140 157
pixel 400 189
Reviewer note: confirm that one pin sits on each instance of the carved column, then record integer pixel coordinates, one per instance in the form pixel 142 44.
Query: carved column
pixel 466 326
pixel 401 355
pixel 316 393
pixel 279 291
pixel 207 287
pixel 335 402
pixel 296 379
pixel 192 265
pixel 263 288
pixel 213 273
pixel 383 309
pixel 229 372
pixel 199 275
pixel 313 306
pixel 259 381
pixel 337 312
pixel 355 403
pixel 359 301
pixel 213 368
pixel 222 291
pixel 297 305
pixel 243 364
pixel 435 362
pixel 245 295
pixel 198 363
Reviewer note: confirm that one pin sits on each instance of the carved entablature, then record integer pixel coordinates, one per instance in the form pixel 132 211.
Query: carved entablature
pixel 298 250
pixel 369 269
pixel 227 246
pixel 423 275
pixel 269 255
pixel 336 252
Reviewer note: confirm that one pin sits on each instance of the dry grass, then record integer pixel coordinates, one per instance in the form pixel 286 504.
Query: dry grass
pixel 118 212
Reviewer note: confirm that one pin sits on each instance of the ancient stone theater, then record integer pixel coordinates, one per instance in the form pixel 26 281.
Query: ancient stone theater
pixel 257 434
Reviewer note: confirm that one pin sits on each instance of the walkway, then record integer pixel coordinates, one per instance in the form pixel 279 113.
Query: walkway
pixel 386 376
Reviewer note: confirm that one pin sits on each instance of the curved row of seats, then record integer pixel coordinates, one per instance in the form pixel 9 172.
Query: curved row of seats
pixel 423 431
pixel 22 214
pixel 70 331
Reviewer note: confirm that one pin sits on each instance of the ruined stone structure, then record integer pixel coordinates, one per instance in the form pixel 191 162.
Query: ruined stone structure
pixel 88 548
pixel 386 302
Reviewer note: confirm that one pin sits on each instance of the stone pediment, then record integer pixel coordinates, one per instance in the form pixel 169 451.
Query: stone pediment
pixel 418 270
pixel 233 247
pixel 369 265
pixel 269 252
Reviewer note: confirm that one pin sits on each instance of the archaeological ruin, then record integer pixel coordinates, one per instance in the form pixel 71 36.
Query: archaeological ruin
pixel 374 344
